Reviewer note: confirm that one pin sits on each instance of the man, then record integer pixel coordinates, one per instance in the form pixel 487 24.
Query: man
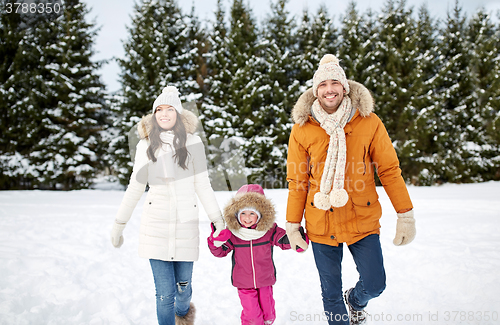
pixel 335 147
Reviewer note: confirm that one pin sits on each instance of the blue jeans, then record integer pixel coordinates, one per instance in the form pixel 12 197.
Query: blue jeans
pixel 173 289
pixel 367 254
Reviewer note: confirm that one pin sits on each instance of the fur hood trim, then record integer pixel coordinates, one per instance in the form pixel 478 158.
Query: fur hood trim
pixel 188 118
pixel 361 99
pixel 250 199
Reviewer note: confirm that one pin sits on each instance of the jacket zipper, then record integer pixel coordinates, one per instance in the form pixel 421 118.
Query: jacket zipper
pixel 364 162
pixel 253 266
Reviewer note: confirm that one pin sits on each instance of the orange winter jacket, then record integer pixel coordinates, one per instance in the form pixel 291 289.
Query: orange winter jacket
pixel 369 150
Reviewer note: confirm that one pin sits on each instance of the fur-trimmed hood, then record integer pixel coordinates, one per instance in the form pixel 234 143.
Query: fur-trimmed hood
pixel 188 118
pixel 250 199
pixel 361 99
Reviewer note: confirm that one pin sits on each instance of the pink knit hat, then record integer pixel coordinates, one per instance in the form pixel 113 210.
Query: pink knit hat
pixel 250 188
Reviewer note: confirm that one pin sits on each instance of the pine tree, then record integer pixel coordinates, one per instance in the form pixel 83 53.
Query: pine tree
pixel 60 102
pixel 453 160
pixel 494 127
pixel 193 61
pixel 396 60
pixel 277 92
pixel 11 33
pixel 155 56
pixel 305 66
pixel 485 69
pixel 357 46
pixel 424 99
pixel 403 58
pixel 221 152
pixel 213 116
pixel 23 93
pixel 218 78
pixel 325 35
pixel 13 36
pixel 240 101
pixel 351 50
pixel 69 155
pixel 316 37
pixel 369 70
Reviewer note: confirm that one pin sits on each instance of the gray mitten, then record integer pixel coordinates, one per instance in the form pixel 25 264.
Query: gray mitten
pixel 117 234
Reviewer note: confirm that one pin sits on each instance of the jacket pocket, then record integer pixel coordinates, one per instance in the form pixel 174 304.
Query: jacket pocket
pixel 316 219
pixel 188 208
pixel 368 212
pixel 148 204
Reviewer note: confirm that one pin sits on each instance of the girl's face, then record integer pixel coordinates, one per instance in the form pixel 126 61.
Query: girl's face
pixel 166 116
pixel 248 218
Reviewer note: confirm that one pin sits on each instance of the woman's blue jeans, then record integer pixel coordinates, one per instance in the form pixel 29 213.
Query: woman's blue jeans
pixel 173 289
pixel 367 254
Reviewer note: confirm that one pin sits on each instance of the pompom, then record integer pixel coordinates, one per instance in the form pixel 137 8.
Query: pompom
pixel 321 201
pixel 170 89
pixel 338 197
pixel 329 58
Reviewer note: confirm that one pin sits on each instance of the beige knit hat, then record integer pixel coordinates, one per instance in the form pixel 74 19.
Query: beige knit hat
pixel 169 96
pixel 329 69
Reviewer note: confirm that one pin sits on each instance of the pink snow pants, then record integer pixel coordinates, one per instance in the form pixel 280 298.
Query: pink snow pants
pixel 258 306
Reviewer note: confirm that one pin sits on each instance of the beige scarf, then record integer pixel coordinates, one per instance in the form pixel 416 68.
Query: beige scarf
pixel 332 192
pixel 248 234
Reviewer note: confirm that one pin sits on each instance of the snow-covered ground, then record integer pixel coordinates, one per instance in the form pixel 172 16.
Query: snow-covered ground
pixel 57 264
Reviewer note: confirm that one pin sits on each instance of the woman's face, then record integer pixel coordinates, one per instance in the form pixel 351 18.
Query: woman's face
pixel 166 116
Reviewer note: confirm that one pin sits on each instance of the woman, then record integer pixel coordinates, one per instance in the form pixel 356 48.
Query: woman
pixel 172 161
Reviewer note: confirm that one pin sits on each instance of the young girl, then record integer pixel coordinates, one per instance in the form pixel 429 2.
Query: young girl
pixel 253 233
pixel 172 161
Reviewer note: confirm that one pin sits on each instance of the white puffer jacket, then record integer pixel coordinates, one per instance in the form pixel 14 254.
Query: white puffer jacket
pixel 169 222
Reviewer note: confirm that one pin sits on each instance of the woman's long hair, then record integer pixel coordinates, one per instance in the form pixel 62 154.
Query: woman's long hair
pixel 180 136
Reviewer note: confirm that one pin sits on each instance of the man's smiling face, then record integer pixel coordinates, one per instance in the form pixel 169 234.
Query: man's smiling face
pixel 330 95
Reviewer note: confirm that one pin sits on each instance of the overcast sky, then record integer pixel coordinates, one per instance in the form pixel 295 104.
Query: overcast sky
pixel 113 15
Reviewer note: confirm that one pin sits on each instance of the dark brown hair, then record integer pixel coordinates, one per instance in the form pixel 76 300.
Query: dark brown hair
pixel 180 136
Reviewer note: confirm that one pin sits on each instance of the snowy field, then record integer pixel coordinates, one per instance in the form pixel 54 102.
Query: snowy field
pixel 57 264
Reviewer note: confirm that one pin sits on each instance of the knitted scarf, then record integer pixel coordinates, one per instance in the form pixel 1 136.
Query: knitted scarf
pixel 332 191
pixel 165 164
pixel 248 234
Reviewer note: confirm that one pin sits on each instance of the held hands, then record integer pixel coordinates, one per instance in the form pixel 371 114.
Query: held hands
pixel 405 229
pixel 297 242
pixel 117 234
pixel 305 237
pixel 219 234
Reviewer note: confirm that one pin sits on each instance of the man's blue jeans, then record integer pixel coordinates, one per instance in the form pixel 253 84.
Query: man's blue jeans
pixel 367 254
pixel 173 289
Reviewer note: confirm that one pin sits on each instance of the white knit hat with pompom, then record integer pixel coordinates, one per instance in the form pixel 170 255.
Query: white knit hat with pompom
pixel 169 96
pixel 329 69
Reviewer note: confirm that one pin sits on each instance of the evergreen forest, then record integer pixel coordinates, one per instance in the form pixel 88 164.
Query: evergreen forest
pixel 435 82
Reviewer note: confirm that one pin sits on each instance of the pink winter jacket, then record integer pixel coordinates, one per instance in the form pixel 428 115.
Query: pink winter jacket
pixel 253 265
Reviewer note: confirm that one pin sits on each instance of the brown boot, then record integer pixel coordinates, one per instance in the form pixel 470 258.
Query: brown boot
pixel 187 319
pixel 356 317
